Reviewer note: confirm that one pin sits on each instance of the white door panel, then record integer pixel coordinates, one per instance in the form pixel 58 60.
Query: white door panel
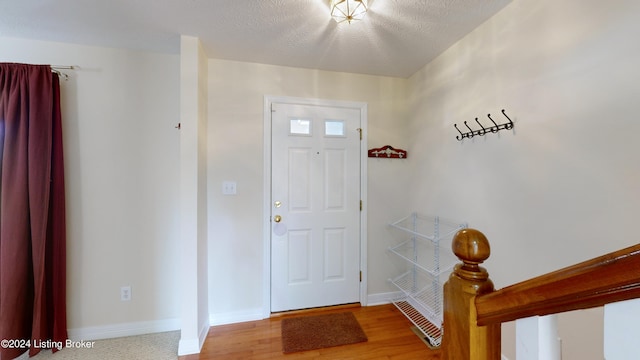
pixel 315 246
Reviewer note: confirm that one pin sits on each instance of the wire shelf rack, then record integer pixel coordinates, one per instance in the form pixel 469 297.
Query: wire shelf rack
pixel 427 227
pixel 428 268
pixel 424 292
pixel 432 332
pixel 422 255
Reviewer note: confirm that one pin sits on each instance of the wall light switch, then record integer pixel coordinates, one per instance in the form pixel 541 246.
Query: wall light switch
pixel 125 293
pixel 229 188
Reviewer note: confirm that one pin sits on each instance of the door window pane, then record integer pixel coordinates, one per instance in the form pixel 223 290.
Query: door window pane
pixel 300 127
pixel 334 128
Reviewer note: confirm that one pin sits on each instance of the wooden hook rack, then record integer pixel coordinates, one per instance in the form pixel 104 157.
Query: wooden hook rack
pixel 388 151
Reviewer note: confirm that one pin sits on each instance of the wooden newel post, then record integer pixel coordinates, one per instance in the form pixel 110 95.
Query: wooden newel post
pixel 462 338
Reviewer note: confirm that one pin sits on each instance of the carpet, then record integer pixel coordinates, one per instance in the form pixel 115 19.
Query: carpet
pixel 320 331
pixel 157 346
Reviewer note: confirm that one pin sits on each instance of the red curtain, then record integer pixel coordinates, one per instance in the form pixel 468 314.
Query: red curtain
pixel 32 210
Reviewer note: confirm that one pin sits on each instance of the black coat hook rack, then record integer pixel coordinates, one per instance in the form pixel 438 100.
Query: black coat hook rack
pixel 483 130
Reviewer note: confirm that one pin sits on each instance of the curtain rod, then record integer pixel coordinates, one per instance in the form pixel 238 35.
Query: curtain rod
pixel 56 69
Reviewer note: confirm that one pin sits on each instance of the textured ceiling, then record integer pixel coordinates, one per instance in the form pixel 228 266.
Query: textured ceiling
pixel 396 38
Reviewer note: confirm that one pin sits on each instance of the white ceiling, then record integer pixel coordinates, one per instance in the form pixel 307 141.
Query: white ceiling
pixel 396 38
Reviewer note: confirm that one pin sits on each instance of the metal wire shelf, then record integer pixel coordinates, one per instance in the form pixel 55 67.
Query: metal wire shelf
pixel 421 254
pixel 432 332
pixel 428 268
pixel 424 292
pixel 427 227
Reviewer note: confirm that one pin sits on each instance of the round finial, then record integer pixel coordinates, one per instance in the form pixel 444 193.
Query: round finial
pixel 471 246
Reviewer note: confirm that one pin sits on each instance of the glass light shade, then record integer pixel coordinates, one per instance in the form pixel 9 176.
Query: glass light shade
pixel 348 10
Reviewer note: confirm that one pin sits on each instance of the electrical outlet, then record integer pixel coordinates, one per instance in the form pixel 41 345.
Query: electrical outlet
pixel 125 293
pixel 229 188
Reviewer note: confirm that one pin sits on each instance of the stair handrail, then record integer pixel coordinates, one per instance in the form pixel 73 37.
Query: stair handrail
pixel 474 310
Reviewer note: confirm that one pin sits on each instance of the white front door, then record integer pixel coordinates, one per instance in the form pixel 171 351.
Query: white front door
pixel 315 206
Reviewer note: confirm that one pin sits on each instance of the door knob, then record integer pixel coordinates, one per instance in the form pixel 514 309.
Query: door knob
pixel 277 218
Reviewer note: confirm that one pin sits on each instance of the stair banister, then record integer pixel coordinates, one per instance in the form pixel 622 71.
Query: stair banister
pixel 473 310
pixel 609 278
pixel 462 338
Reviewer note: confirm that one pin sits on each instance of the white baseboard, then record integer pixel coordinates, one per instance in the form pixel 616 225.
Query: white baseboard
pixel 236 317
pixel 123 329
pixel 188 347
pixel 382 298
pixel 193 346
pixel 204 331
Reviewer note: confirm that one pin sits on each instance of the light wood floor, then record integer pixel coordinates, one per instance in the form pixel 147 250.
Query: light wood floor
pixel 389 332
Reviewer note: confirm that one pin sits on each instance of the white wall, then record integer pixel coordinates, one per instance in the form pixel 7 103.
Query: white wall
pixel 621 330
pixel 193 195
pixel 119 110
pixel 236 97
pixel 562 186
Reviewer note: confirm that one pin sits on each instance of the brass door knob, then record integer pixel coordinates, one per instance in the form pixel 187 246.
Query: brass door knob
pixel 277 218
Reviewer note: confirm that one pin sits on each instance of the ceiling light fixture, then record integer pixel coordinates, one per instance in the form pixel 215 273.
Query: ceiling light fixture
pixel 348 10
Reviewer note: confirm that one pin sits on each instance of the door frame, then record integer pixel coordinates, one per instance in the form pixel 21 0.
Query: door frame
pixel 266 210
